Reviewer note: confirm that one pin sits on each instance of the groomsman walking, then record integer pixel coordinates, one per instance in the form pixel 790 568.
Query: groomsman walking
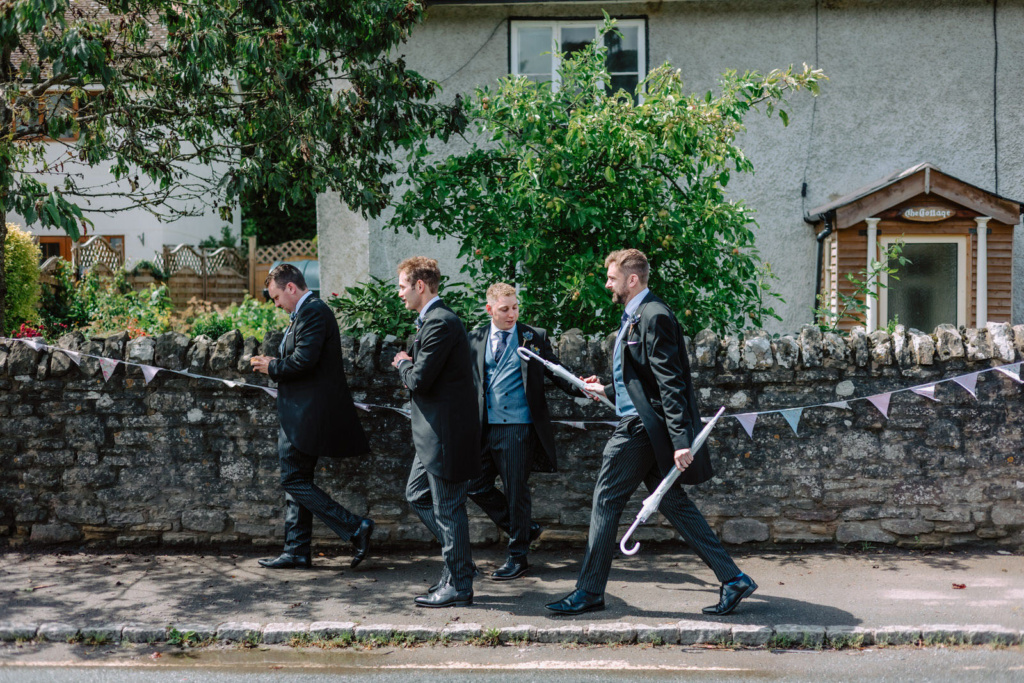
pixel 516 425
pixel 317 419
pixel 658 419
pixel 445 427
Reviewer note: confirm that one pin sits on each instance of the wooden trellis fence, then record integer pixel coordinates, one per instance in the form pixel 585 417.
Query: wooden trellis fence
pixel 219 276
pixel 261 258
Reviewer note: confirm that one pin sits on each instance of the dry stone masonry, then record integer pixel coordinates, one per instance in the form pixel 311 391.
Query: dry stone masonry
pixel 192 462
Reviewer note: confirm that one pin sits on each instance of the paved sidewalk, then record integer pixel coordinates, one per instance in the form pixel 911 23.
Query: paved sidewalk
pixel 889 594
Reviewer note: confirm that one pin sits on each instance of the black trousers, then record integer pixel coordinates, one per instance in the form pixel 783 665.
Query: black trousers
pixel 629 460
pixel 508 453
pixel 303 499
pixel 441 505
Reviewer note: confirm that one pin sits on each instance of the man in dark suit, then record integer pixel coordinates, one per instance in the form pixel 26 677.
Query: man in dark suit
pixel 657 407
pixel 317 419
pixel 445 427
pixel 517 432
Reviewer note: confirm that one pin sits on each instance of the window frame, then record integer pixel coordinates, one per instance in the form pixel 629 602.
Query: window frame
pixel 42 107
pixel 558 23
pixel 963 283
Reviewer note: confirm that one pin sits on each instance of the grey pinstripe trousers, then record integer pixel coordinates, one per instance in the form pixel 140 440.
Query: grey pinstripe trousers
pixel 629 460
pixel 441 505
pixel 508 453
pixel 303 499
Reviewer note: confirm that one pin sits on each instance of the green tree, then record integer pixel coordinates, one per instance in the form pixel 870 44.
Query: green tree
pixel 190 103
pixel 557 178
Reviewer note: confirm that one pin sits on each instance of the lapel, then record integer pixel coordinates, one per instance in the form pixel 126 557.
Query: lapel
pixel 429 314
pixel 289 337
pixel 635 351
pixel 481 340
pixel 524 366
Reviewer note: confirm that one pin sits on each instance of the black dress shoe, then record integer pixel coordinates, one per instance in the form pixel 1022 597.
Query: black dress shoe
pixel 578 602
pixel 287 561
pixel 361 541
pixel 513 568
pixel 446 577
pixel 731 594
pixel 446 596
pixel 535 531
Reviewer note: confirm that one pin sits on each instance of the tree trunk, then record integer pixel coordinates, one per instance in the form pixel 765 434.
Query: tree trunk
pixel 3 271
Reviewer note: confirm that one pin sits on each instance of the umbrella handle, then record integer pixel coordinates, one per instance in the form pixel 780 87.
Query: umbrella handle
pixel 636 544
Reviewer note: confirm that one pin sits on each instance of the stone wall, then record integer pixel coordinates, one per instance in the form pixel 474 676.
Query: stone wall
pixel 186 461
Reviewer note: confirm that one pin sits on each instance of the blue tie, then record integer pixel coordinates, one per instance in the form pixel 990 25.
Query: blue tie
pixel 499 351
pixel 625 319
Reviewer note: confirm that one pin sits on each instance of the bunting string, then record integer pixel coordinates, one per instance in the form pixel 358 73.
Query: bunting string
pixel 968 381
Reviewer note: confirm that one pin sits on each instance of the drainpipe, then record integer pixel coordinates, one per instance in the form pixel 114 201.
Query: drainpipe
pixel 821 249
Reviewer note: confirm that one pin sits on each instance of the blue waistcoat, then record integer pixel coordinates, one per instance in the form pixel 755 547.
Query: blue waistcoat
pixel 505 393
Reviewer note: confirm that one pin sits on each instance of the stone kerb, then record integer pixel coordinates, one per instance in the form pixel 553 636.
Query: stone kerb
pixel 185 461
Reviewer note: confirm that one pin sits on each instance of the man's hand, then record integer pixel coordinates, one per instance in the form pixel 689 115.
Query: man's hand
pixel 594 386
pixel 399 357
pixel 261 364
pixel 683 458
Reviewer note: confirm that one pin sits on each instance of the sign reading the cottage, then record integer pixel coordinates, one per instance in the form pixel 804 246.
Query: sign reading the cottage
pixel 927 214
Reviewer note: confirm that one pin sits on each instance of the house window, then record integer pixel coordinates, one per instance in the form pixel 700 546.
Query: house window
pixel 535 45
pixel 933 288
pixel 32 119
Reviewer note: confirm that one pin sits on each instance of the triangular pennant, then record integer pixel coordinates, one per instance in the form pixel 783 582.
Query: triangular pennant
pixel 611 424
pixel 362 406
pixel 968 382
pixel 73 355
pixel 577 425
pixel 35 344
pixel 839 404
pixel 747 420
pixel 792 416
pixel 927 392
pixel 1012 371
pixel 881 401
pixel 149 372
pixel 230 383
pixel 107 366
pixel 273 392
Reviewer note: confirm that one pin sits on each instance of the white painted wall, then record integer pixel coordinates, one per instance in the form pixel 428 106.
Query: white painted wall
pixel 911 81
pixel 144 233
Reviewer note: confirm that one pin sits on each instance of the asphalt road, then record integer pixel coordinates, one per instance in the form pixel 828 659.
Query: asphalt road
pixel 861 587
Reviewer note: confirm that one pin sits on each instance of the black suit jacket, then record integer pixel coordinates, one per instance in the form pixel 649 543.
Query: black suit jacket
pixel 656 371
pixel 533 382
pixel 445 424
pixel 313 401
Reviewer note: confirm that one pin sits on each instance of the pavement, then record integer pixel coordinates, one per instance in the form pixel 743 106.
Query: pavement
pixel 808 597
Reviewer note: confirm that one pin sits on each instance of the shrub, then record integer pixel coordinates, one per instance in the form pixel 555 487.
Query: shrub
pixel 61 308
pixel 113 305
pixel 253 318
pixel 375 307
pixel 22 257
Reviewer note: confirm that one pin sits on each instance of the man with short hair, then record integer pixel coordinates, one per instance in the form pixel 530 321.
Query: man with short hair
pixel 445 428
pixel 658 420
pixel 517 432
pixel 317 416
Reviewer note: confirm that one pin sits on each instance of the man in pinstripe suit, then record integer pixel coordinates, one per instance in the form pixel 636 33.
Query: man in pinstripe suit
pixel 658 419
pixel 517 432
pixel 445 427
pixel 317 416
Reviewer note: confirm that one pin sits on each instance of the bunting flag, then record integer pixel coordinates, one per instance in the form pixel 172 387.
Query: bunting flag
pixel 792 416
pixel 968 382
pixel 108 365
pixel 149 372
pixel 1012 371
pixel 927 392
pixel 747 420
pixel 881 401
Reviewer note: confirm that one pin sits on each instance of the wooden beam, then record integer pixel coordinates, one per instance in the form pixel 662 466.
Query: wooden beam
pixel 880 200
